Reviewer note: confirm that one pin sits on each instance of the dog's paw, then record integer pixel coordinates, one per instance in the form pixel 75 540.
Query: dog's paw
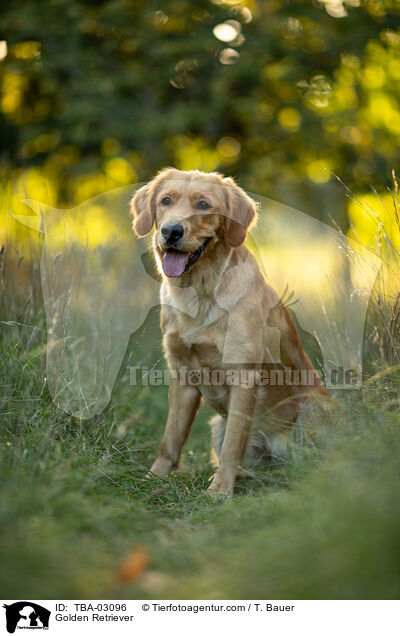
pixel 161 468
pixel 218 496
pixel 220 487
pixel 151 475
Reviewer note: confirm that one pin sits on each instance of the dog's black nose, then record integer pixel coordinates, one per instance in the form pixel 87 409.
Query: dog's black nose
pixel 172 232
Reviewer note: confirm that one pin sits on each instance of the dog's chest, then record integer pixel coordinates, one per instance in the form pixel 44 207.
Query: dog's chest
pixel 207 369
pixel 196 342
pixel 205 354
pixel 194 347
pixel 201 324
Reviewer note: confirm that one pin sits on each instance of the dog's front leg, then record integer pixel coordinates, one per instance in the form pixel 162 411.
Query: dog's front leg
pixel 241 406
pixel 183 404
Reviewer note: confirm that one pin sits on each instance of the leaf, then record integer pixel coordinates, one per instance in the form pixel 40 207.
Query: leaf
pixel 134 565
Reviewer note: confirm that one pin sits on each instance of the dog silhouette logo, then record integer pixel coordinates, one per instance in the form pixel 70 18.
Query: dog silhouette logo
pixel 26 615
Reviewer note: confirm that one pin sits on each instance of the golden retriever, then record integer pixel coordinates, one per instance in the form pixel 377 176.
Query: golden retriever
pixel 219 318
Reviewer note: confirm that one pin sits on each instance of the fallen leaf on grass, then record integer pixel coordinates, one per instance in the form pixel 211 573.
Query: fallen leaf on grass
pixel 133 566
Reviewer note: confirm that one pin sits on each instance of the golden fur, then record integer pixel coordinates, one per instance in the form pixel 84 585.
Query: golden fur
pixel 218 315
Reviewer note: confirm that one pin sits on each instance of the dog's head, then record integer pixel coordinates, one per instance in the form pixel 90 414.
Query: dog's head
pixel 192 212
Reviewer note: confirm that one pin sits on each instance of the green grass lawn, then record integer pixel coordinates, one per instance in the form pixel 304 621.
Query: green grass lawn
pixel 75 501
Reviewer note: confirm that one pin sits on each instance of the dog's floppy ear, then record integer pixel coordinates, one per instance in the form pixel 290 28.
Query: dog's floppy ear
pixel 241 213
pixel 143 210
pixel 143 203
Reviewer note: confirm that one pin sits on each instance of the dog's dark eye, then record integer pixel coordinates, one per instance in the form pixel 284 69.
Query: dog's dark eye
pixel 166 200
pixel 203 205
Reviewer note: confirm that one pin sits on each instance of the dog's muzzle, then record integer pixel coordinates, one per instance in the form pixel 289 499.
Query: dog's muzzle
pixel 175 263
pixel 171 233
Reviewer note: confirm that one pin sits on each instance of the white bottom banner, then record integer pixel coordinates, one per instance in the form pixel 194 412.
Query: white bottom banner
pixel 183 617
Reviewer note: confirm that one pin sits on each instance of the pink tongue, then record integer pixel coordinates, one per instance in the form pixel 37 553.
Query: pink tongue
pixel 174 263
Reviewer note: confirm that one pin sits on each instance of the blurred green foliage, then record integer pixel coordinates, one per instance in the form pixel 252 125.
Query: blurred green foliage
pixel 278 93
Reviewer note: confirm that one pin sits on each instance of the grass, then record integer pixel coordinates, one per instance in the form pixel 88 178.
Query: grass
pixel 75 502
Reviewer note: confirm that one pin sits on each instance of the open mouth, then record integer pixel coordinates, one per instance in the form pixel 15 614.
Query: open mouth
pixel 176 263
